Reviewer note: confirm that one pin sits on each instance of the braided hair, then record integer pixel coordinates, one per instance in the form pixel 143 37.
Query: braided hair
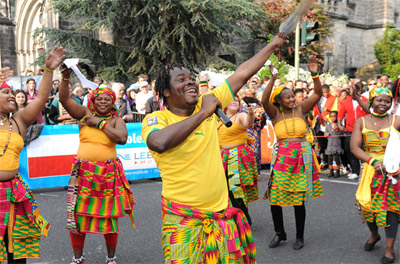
pixel 163 78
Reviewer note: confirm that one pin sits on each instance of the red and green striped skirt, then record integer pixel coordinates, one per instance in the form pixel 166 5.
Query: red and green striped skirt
pixel 191 235
pixel 98 194
pixel 241 167
pixel 384 198
pixel 20 215
pixel 294 179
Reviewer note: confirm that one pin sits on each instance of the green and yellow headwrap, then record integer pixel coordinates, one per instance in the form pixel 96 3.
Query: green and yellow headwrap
pixel 275 94
pixel 378 90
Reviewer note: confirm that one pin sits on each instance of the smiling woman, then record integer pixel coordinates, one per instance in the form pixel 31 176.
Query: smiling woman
pixel 377 194
pixel 20 211
pixel 294 179
pixel 99 191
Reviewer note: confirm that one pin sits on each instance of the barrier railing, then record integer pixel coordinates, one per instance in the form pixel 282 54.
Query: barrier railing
pixel 46 162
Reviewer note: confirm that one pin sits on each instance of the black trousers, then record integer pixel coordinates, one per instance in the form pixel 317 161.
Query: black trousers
pixel 354 162
pixel 391 230
pixel 299 214
pixel 323 144
pixel 10 256
pixel 334 157
pixel 238 203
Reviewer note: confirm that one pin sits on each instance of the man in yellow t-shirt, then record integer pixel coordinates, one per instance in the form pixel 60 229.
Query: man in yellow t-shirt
pixel 184 143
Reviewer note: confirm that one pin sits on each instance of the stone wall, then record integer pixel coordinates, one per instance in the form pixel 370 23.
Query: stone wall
pixel 8 56
pixel 357 26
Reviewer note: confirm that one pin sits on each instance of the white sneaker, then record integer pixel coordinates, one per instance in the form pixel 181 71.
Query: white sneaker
pixel 343 170
pixel 352 176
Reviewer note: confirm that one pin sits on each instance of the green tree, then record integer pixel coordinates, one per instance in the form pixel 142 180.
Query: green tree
pixel 150 33
pixel 387 51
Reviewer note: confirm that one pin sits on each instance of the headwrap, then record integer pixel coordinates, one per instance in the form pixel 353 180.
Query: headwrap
pixel 378 90
pixel 4 85
pixel 100 90
pixel 275 94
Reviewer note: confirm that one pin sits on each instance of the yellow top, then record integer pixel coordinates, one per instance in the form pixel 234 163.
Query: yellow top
pixel 233 135
pixel 374 143
pixel 10 160
pixel 300 128
pixel 192 172
pixel 95 145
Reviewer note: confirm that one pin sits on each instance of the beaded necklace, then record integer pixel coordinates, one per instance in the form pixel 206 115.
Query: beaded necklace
pixel 284 120
pixel 9 136
pixel 379 115
pixel 105 117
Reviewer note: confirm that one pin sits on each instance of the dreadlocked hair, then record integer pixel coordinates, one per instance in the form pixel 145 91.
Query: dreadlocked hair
pixel 163 78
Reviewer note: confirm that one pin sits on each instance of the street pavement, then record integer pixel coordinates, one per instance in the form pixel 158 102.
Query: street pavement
pixel 334 230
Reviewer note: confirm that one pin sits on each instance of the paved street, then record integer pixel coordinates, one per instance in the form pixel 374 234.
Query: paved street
pixel 334 232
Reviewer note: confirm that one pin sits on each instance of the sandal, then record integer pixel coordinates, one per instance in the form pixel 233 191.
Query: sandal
pixel 111 260
pixel 80 260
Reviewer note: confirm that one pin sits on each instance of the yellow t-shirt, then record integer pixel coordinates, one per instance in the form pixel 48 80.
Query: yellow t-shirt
pixel 192 172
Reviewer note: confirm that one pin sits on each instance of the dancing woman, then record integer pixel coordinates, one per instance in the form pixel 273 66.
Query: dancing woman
pixel 19 210
pixel 238 158
pixel 294 178
pixel 98 192
pixel 377 194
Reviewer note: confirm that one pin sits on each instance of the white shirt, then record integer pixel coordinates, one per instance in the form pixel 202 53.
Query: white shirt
pixel 141 99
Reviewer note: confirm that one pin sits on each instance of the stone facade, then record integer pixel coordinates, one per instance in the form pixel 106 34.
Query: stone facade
pixel 8 55
pixel 358 24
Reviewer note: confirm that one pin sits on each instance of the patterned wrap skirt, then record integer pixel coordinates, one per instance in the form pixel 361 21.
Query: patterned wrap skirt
pixel 98 194
pixel 294 179
pixel 191 235
pixel 384 198
pixel 19 215
pixel 241 166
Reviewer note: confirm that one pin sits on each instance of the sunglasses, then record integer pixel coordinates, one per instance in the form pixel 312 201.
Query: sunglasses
pixel 371 84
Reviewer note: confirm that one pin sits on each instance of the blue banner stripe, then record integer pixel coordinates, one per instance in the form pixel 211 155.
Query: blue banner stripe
pixel 134 141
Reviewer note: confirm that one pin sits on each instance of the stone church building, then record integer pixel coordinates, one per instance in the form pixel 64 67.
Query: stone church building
pixel 358 24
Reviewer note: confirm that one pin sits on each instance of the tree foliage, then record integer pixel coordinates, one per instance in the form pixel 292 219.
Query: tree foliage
pixel 277 11
pixel 387 51
pixel 150 33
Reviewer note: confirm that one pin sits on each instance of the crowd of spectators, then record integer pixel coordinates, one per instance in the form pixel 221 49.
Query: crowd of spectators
pixel 332 118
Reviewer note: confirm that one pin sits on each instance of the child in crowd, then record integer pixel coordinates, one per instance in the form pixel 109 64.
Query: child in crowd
pixel 334 148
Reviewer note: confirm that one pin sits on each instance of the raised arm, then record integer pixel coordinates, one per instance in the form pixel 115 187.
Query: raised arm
pixel 251 66
pixel 34 108
pixel 309 103
pixel 269 107
pixel 173 135
pixel 76 110
pixel 359 100
pixel 246 120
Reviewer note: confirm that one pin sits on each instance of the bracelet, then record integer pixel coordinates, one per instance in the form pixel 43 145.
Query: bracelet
pixel 371 161
pixel 66 79
pixel 48 69
pixel 100 123
pixel 103 125
pixel 315 77
pixel 83 120
pixel 314 74
pixel 203 83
